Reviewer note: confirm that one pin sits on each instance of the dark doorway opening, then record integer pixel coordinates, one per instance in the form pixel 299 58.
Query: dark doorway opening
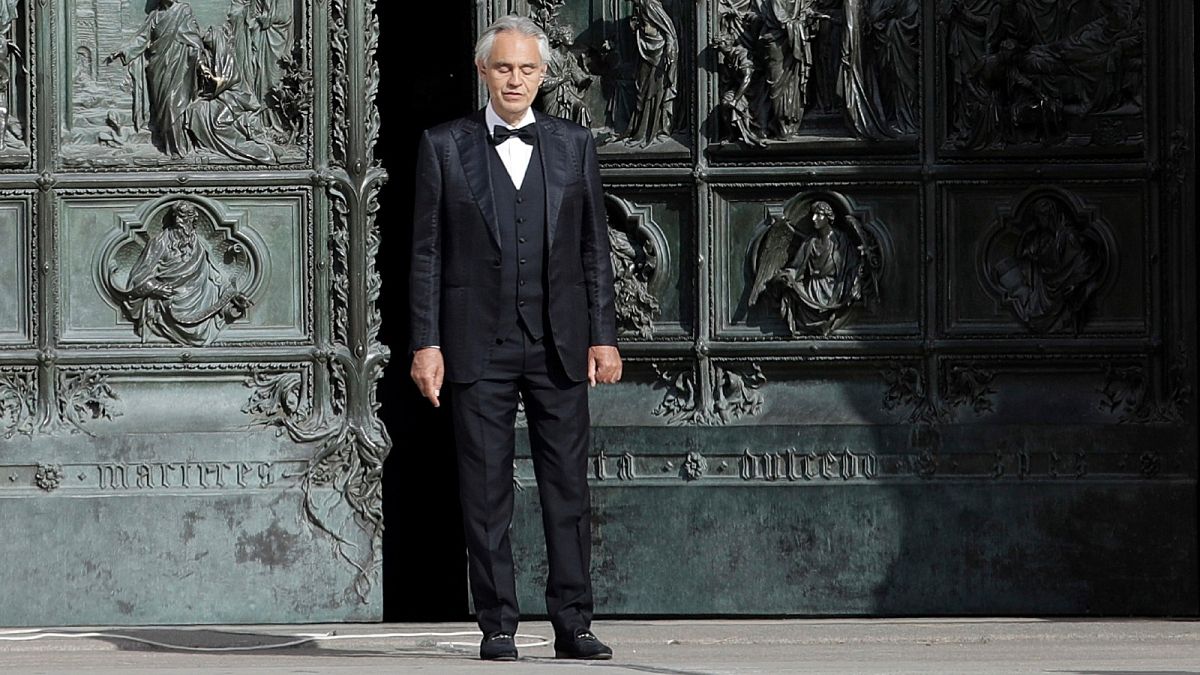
pixel 425 57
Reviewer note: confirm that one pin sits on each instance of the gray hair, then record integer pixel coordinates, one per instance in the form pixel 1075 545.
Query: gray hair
pixel 517 24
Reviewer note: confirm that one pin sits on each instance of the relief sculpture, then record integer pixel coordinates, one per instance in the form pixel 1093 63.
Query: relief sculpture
pixel 641 262
pixel 658 73
pixel 814 264
pixel 619 74
pixel 12 64
pixel 233 92
pixel 818 69
pixel 1042 72
pixel 1047 261
pixel 181 287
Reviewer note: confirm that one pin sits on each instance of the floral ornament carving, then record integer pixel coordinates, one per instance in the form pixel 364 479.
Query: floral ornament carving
pixel 694 466
pixel 710 395
pixel 1048 260
pixel 181 270
pixel 961 385
pixel 48 476
pixel 816 262
pixel 908 389
pixel 641 263
pixel 278 400
pixel 966 385
pixel 1126 393
pixel 18 403
pixel 84 397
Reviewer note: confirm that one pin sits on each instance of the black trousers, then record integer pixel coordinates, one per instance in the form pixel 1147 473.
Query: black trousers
pixel 484 413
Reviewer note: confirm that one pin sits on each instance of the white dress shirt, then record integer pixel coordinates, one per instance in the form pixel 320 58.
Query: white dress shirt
pixel 514 152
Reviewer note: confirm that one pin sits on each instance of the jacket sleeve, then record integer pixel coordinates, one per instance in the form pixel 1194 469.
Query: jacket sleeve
pixel 425 282
pixel 597 261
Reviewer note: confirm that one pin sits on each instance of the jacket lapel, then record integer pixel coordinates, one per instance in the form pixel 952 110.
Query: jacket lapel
pixel 473 148
pixel 555 168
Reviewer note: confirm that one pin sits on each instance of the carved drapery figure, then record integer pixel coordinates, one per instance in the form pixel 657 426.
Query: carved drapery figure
pixel 225 118
pixel 737 73
pixel 827 58
pixel 737 67
pixel 637 308
pixel 783 61
pixel 1058 265
pixel 895 29
pixel 813 267
pixel 175 291
pixel 858 79
pixel 657 79
pixel 170 44
pixel 789 27
pixel 262 38
pixel 8 54
pixel 566 81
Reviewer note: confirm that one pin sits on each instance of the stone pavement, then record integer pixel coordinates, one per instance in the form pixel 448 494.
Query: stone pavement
pixel 685 647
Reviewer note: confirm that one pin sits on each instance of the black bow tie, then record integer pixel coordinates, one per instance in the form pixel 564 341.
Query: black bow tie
pixel 527 133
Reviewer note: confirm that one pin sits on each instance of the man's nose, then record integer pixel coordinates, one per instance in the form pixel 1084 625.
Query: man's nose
pixel 514 79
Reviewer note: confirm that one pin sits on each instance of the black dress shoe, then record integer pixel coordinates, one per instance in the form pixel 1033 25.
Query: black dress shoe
pixel 582 645
pixel 498 647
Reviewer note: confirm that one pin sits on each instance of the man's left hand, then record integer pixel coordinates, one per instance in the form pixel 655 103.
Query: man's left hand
pixel 604 365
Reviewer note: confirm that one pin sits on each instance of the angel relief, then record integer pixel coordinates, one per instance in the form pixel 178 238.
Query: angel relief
pixel 814 263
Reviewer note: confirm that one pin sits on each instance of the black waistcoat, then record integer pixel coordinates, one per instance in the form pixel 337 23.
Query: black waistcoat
pixel 521 217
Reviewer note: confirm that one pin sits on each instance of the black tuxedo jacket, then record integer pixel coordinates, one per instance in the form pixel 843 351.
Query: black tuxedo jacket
pixel 455 284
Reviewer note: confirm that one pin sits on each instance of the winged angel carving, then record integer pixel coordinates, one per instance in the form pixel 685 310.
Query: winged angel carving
pixel 815 263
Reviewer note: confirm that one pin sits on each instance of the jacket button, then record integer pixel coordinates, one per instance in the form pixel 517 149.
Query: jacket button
pixel 496 262
pixel 521 303
pixel 499 341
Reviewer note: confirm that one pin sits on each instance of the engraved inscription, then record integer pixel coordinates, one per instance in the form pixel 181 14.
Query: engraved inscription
pixel 186 475
pixel 792 465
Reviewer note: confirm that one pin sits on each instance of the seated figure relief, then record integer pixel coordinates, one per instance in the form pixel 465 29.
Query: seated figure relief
pixel 175 291
pixel 230 92
pixel 814 265
pixel 1048 263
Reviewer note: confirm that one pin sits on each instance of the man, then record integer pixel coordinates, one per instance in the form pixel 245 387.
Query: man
pixel 512 293
pixel 170 41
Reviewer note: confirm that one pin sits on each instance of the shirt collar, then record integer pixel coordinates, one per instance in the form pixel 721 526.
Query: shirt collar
pixel 493 120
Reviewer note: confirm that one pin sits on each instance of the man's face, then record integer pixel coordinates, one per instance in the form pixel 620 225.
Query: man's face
pixel 513 73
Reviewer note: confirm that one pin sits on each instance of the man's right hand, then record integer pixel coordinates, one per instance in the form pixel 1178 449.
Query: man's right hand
pixel 427 371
